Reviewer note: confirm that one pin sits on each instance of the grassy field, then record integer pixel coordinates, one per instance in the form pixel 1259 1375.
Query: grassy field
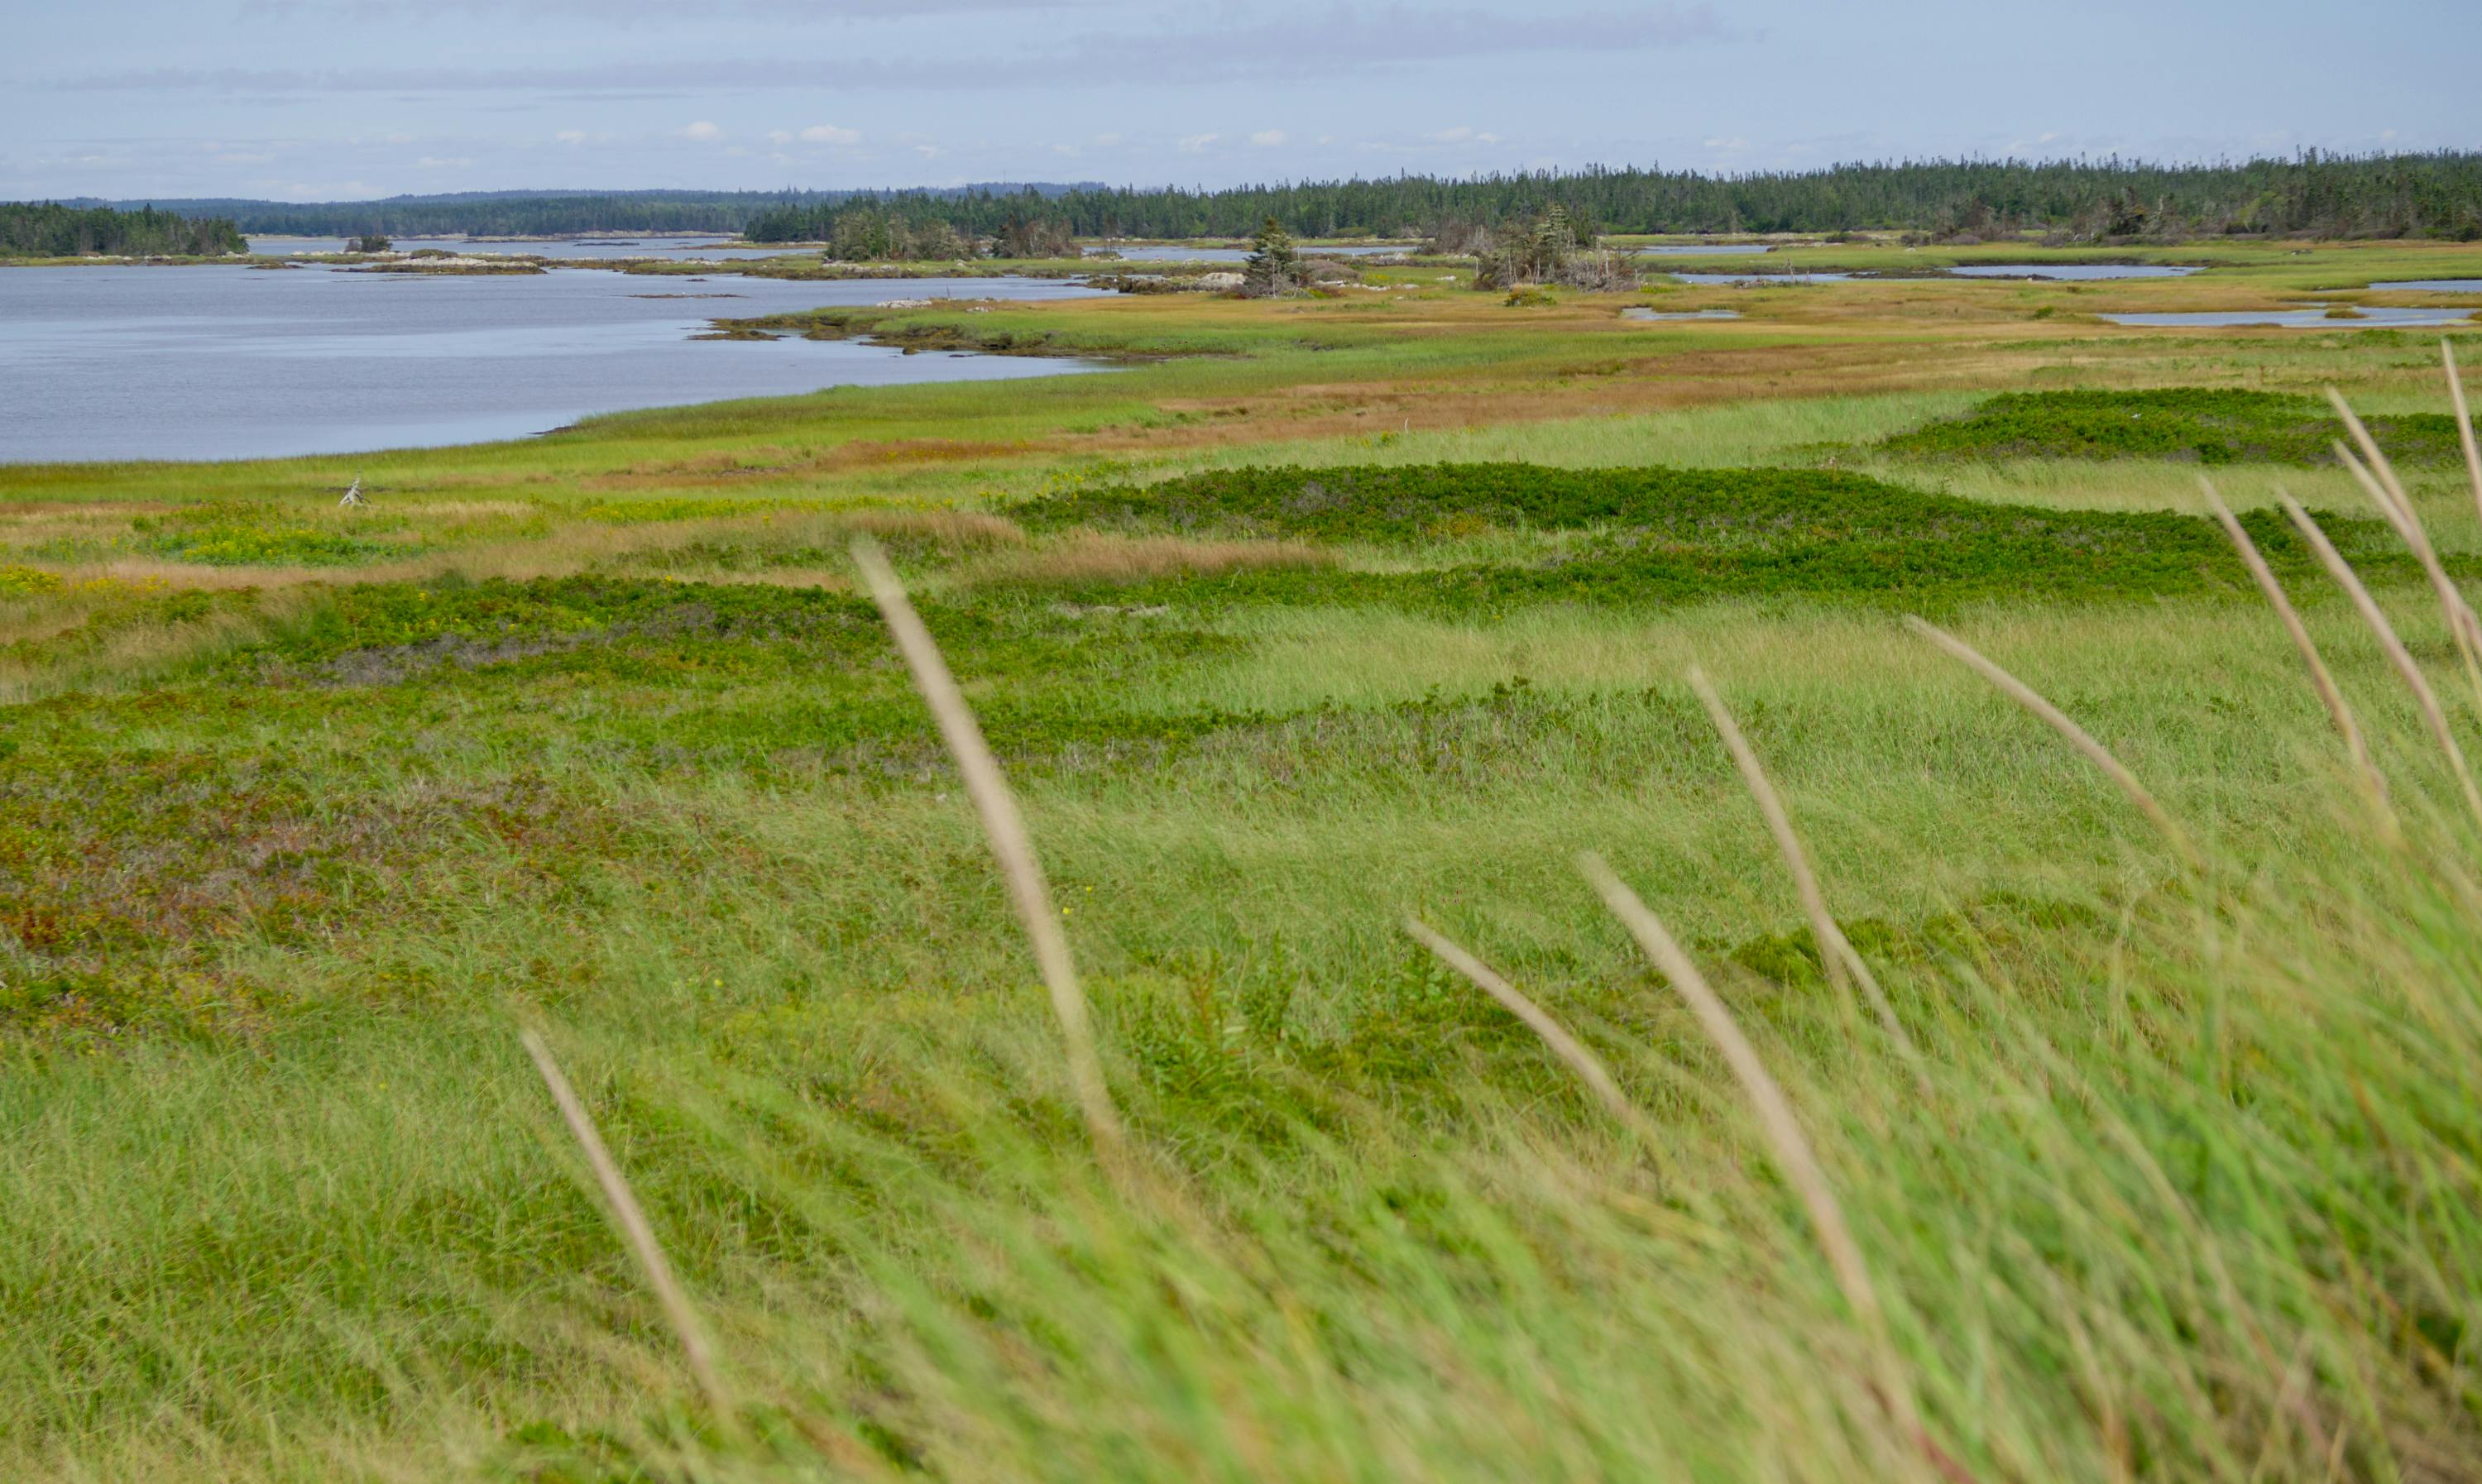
pixel 1308 616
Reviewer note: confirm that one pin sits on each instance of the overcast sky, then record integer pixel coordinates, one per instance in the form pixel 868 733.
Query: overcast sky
pixel 322 99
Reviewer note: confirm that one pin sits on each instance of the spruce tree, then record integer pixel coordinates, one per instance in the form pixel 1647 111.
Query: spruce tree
pixel 1273 267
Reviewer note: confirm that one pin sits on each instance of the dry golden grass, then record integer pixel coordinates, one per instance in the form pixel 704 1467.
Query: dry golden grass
pixel 725 469
pixel 1705 377
pixel 958 530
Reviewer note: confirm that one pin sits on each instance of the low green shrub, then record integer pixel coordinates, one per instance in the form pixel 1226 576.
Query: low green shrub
pixel 2205 425
pixel 1665 537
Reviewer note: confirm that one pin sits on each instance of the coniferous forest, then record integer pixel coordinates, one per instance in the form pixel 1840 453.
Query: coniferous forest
pixel 43 229
pixel 2433 194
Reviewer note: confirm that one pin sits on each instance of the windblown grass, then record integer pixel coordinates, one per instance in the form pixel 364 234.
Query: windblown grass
pixel 2175 1182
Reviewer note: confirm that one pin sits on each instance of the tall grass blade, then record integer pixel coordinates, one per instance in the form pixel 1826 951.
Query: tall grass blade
pixel 1581 1060
pixel 2397 655
pixel 2394 490
pixel 1005 827
pixel 2077 736
pixel 1835 951
pixel 1793 1155
pixel 2387 495
pixel 631 1218
pixel 2463 421
pixel 2320 680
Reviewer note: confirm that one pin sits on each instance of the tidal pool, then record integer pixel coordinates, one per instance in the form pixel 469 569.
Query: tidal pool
pixel 2073 271
pixel 1640 313
pixel 1760 278
pixel 2371 318
pixel 584 249
pixel 138 362
pixel 1174 252
pixel 2434 285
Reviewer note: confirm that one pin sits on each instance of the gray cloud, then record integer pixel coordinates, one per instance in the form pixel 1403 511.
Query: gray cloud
pixel 1346 42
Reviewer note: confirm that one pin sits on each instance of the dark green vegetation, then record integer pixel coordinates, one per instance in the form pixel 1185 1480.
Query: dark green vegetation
pixel 2380 196
pixel 1663 537
pixel 2207 425
pixel 533 213
pixel 2436 194
pixel 914 227
pixel 43 229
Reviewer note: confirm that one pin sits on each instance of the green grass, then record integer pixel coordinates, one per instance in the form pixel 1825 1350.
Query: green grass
pixel 1371 610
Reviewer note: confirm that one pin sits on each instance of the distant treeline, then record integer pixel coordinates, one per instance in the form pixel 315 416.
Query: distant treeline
pixel 528 213
pixel 2436 195
pixel 45 229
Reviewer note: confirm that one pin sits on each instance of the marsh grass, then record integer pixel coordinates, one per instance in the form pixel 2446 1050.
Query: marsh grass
pixel 280 1199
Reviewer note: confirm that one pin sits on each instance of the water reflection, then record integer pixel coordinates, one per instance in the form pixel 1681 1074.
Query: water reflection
pixel 2369 318
pixel 208 362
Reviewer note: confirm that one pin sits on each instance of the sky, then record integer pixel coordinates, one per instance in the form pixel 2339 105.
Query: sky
pixel 345 99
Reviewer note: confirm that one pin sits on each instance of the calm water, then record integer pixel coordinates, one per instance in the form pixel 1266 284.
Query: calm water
pixel 1702 249
pixel 579 250
pixel 2437 285
pixel 2073 271
pixel 2302 319
pixel 132 362
pixel 1167 252
pixel 1760 278
pixel 1640 312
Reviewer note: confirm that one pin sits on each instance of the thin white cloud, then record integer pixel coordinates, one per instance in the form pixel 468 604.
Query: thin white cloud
pixel 1269 139
pixel 1197 144
pixel 1353 40
pixel 630 11
pixel 830 134
pixel 705 131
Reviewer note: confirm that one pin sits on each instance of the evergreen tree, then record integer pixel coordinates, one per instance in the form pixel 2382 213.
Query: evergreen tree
pixel 1273 267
